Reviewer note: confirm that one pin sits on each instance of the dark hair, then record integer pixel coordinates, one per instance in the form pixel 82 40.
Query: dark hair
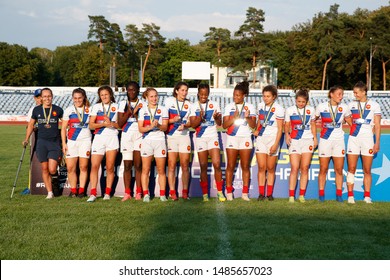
pixel 84 94
pixel 109 89
pixel 243 87
pixel 203 86
pixel 333 89
pixel 272 89
pixel 134 84
pixel 303 92
pixel 362 86
pixel 177 86
pixel 46 88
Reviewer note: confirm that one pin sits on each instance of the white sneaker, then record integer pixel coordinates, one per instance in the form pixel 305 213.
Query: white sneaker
pixel 147 198
pixel 351 200
pixel 91 198
pixel 106 197
pixel 229 196
pixel 163 198
pixel 50 195
pixel 368 200
pixel 245 197
pixel 291 199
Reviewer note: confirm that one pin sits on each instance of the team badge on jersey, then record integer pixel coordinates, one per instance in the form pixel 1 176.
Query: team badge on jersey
pixel 371 151
pixel 246 144
pixel 54 113
pixel 340 109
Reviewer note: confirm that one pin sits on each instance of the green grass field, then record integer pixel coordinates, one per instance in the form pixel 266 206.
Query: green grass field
pixel 71 229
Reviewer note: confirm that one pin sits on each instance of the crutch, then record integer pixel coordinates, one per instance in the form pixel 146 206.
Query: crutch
pixel 17 172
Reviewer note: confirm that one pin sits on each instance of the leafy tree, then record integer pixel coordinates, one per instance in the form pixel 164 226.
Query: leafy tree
pixel 17 66
pixel 251 35
pixel 147 40
pixel 218 38
pixel 381 38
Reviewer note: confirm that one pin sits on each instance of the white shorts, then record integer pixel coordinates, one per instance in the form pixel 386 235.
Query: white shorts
pixel 206 143
pixel 79 148
pixel 130 142
pixel 363 146
pixel 331 148
pixel 103 143
pixel 301 146
pixel 179 144
pixel 156 148
pixel 264 144
pixel 239 143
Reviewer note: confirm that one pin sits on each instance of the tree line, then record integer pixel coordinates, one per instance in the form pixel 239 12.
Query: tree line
pixel 331 48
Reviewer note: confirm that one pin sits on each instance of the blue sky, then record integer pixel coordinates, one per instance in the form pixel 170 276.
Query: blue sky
pixel 52 23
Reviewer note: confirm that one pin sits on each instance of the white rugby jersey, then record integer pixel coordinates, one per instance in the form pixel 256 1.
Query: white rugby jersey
pixel 111 110
pixel 268 116
pixel 300 121
pixel 363 116
pixel 242 129
pixel 208 127
pixel 77 130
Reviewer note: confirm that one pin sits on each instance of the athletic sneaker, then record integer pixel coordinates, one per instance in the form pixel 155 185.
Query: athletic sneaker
pixel 147 198
pixel 205 197
pixel 81 195
pixel 261 198
pixel 270 197
pixel 368 200
pixel 351 200
pixel 91 198
pixel 173 197
pixel 138 196
pixel 106 197
pixel 229 196
pixel 72 195
pixel 245 197
pixel 301 199
pixel 163 198
pixel 321 198
pixel 221 198
pixel 126 197
pixel 50 195
pixel 185 197
pixel 291 199
pixel 339 198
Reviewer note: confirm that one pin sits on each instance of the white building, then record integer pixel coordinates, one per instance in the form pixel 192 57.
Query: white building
pixel 225 77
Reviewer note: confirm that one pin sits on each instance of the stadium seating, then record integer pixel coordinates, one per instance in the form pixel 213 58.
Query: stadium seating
pixel 17 103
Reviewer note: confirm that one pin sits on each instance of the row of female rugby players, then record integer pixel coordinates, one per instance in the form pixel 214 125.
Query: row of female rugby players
pixel 153 131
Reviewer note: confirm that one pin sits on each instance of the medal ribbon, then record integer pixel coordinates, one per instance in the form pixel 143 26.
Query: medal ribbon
pixel 242 108
pixel 132 108
pixel 47 118
pixel 108 111
pixel 152 116
pixel 333 115
pixel 361 110
pixel 266 119
pixel 201 109
pixel 303 118
pixel 180 110
pixel 79 116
